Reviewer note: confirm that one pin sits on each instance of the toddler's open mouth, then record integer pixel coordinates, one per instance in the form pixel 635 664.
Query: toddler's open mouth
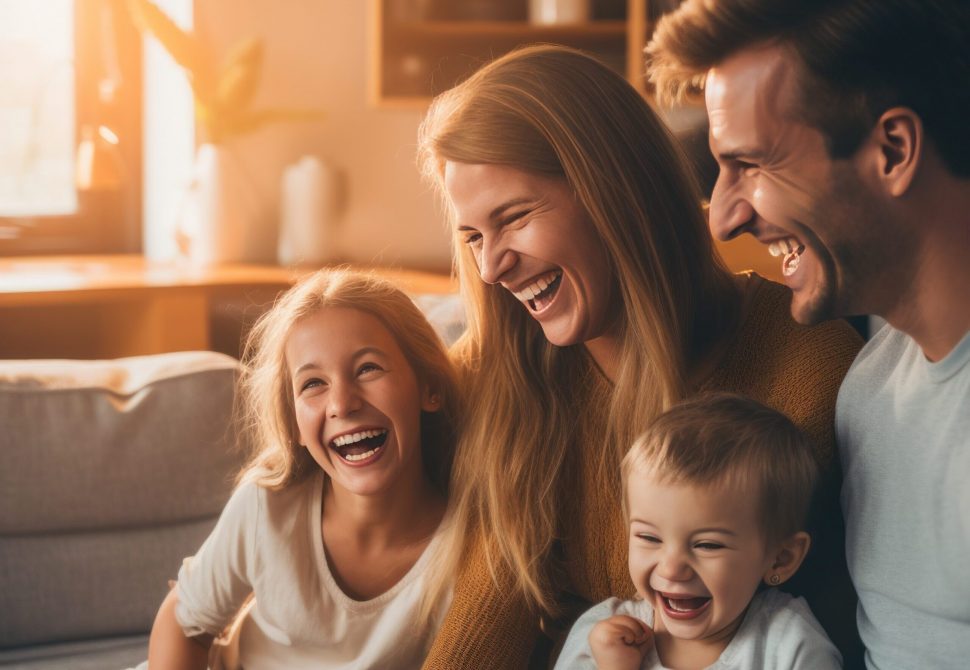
pixel 680 606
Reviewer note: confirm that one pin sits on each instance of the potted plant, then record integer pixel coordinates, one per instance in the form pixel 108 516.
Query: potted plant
pixel 222 189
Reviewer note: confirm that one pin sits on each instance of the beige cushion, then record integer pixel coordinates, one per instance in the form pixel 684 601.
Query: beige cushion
pixel 110 473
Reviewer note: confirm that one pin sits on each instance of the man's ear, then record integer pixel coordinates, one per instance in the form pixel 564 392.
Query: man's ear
pixel 899 136
pixel 787 557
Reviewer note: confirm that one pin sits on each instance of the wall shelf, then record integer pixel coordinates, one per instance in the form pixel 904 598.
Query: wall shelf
pixel 420 54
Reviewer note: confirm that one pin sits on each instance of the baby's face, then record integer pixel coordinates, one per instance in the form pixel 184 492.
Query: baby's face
pixel 697 554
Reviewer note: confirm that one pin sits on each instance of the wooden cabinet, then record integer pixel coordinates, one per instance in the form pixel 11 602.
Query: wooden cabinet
pixel 422 47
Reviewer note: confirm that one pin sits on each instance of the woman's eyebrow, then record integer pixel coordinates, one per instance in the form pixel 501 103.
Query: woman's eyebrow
pixel 501 209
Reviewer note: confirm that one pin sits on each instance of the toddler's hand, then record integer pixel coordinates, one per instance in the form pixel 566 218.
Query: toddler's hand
pixel 620 642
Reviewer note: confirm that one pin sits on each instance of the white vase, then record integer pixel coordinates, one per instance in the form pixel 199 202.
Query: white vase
pixel 309 197
pixel 221 211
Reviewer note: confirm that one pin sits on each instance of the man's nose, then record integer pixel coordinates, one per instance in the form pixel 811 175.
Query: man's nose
pixel 730 212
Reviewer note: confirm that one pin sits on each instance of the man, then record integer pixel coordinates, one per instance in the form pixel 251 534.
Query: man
pixel 842 132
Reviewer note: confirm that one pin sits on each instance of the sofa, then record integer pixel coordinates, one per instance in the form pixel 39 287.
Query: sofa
pixel 111 472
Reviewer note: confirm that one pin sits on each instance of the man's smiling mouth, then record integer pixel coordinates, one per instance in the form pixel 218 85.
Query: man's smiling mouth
pixel 540 292
pixel 792 251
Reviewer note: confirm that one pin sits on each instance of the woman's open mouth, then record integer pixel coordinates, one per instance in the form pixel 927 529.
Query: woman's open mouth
pixel 540 293
pixel 357 448
pixel 684 607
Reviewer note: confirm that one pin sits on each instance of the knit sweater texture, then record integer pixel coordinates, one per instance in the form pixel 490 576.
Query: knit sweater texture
pixel 792 368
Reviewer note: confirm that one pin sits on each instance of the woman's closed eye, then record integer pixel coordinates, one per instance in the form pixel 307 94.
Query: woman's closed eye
pixel 472 239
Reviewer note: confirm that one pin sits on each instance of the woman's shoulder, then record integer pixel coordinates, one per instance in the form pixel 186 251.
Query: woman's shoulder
pixel 768 325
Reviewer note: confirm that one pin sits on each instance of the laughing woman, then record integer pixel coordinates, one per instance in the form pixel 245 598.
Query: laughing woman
pixel 595 300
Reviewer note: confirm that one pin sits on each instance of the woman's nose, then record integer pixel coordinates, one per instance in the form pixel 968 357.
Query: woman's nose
pixel 494 260
pixel 343 400
pixel 730 211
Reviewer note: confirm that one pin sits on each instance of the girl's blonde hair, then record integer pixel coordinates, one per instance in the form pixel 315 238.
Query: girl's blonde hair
pixel 267 406
pixel 559 112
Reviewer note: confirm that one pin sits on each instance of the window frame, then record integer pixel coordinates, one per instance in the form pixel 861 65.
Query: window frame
pixel 106 221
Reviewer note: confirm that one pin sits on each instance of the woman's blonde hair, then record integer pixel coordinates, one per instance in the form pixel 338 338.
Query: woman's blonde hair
pixel 267 407
pixel 561 113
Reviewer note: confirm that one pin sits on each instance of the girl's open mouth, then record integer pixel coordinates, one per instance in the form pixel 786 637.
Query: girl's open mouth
pixel 682 608
pixel 359 447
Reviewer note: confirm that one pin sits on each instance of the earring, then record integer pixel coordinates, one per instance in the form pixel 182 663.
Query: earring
pixel 774 580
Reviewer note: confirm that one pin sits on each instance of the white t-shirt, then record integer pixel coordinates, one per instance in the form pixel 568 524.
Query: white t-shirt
pixel 778 632
pixel 270 544
pixel 903 425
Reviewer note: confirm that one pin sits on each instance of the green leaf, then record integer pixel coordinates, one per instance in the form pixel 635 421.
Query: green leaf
pixel 184 48
pixel 240 78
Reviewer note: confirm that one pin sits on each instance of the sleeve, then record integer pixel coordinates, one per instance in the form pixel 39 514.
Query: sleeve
pixel 213 584
pixel 487 625
pixel 576 653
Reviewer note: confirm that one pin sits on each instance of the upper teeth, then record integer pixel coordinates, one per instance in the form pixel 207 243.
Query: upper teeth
pixel 351 438
pixel 536 287
pixel 782 247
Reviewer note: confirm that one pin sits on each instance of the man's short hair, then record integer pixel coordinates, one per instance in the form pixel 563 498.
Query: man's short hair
pixel 728 439
pixel 857 59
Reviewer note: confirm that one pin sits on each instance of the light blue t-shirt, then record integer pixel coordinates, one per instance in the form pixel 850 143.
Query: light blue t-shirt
pixel 903 427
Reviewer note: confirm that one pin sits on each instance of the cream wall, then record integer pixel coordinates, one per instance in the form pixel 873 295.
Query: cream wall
pixel 316 55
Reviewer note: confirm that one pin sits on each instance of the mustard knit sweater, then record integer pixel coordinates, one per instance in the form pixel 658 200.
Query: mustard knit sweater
pixel 794 369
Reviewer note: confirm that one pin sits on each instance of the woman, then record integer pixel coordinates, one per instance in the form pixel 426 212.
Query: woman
pixel 595 300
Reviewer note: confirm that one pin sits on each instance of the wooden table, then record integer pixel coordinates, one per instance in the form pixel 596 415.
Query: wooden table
pixel 111 306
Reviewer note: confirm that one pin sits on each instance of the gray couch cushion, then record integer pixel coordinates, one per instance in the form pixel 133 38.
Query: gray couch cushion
pixel 110 473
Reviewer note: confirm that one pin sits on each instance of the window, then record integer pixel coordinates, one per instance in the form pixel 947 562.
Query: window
pixel 70 90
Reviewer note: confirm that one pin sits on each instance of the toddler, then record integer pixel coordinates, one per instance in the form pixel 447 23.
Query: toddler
pixel 715 495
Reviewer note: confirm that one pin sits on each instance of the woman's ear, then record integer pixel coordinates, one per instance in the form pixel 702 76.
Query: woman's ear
pixel 430 399
pixel 787 558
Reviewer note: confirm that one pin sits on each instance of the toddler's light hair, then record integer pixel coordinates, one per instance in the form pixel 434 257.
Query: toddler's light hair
pixel 728 439
pixel 266 398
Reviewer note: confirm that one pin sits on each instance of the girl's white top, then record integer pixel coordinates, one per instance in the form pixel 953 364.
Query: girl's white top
pixel 778 633
pixel 270 544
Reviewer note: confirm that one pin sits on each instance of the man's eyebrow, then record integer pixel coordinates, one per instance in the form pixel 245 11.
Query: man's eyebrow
pixel 740 153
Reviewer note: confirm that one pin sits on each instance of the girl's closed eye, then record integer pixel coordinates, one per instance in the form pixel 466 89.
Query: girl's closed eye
pixel 369 369
pixel 648 538
pixel 313 382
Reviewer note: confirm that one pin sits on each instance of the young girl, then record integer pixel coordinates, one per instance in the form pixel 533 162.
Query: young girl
pixel 715 498
pixel 351 401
